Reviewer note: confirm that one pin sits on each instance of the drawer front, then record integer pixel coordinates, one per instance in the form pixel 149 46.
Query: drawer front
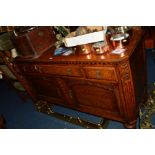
pixel 104 73
pixel 30 68
pixel 26 68
pixel 61 70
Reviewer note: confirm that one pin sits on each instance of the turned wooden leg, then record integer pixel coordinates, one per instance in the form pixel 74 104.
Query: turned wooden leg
pixel 130 125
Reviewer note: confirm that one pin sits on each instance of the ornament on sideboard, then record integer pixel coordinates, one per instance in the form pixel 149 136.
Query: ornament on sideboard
pixel 85 35
pixel 61 32
pixel 32 42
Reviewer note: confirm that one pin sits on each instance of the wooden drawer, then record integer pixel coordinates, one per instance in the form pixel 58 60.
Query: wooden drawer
pixel 25 68
pixel 61 70
pixel 29 68
pixel 104 73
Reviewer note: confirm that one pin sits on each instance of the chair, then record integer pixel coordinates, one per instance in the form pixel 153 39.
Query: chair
pixel 7 67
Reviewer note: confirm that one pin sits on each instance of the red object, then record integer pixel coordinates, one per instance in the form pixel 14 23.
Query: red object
pixel 33 43
pixel 149 43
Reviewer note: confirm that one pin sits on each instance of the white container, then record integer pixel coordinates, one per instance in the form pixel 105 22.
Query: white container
pixel 85 39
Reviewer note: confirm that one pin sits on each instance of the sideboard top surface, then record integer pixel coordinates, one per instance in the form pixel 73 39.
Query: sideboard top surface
pixel 48 56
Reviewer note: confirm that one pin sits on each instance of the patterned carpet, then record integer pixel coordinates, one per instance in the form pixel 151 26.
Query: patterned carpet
pixel 147 111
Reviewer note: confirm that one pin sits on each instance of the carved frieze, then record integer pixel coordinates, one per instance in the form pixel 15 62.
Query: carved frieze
pixel 124 71
pixel 82 62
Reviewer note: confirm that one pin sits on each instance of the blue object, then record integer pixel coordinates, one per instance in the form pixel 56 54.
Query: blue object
pixel 61 50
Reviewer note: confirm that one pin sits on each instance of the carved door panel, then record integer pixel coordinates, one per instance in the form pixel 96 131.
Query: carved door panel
pixel 47 87
pixel 95 97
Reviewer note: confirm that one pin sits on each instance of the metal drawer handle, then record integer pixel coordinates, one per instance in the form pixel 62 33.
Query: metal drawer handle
pixel 24 68
pixel 70 94
pixel 35 67
pixel 69 72
pixel 40 33
pixel 98 74
pixel 58 91
pixel 39 69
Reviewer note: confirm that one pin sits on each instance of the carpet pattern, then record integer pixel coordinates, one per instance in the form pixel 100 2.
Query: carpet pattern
pixel 147 111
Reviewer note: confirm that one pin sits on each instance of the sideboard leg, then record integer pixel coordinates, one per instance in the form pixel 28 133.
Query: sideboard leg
pixel 130 125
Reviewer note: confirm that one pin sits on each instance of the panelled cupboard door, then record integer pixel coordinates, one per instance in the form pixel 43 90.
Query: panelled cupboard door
pixel 94 97
pixel 47 87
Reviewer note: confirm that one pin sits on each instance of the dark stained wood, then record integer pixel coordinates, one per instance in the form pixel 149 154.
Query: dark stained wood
pixel 32 44
pixel 105 85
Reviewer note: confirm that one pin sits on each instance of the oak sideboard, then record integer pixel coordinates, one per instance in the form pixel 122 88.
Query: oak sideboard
pixel 107 85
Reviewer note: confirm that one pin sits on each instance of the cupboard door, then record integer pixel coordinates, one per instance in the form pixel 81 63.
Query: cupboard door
pixel 47 87
pixel 95 97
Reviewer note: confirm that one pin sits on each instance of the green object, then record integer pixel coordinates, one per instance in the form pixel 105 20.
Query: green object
pixel 62 30
pixel 18 86
pixel 7 72
pixel 5 41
